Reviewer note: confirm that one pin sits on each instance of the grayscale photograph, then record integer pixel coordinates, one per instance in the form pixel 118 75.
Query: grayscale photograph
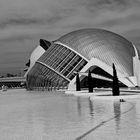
pixel 69 69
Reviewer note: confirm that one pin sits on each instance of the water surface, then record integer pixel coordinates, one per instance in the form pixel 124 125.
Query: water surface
pixel 36 115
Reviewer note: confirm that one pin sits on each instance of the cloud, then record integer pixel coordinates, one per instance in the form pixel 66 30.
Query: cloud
pixel 23 23
pixel 32 17
pixel 41 19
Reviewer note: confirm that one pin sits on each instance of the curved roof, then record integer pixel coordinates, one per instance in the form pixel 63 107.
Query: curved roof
pixel 35 55
pixel 104 45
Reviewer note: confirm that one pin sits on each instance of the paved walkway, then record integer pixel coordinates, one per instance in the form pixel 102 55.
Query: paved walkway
pixel 106 94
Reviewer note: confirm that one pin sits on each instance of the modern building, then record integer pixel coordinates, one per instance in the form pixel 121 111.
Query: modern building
pixel 55 63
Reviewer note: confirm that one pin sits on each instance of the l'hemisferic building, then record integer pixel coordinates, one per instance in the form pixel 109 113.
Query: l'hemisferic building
pixel 55 63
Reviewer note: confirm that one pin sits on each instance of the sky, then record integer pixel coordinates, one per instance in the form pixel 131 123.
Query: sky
pixel 24 22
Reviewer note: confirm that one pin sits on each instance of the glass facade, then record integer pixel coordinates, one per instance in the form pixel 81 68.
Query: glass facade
pixel 41 76
pixel 55 68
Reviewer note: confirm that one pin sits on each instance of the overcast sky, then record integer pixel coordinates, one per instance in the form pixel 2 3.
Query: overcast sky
pixel 24 22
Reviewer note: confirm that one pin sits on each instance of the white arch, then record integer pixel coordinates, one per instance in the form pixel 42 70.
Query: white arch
pixel 136 51
pixel 94 61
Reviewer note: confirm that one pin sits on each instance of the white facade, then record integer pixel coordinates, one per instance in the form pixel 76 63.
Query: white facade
pixel 35 55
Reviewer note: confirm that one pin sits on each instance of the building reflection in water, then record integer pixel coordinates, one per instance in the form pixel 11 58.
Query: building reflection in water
pixel 91 109
pixel 117 114
pixel 79 106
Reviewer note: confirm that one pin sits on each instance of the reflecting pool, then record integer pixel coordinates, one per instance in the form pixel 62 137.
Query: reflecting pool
pixel 36 115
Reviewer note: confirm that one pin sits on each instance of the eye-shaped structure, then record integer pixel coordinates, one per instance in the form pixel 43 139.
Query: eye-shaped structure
pixel 83 50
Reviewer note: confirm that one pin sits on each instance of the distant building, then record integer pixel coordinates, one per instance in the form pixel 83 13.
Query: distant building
pixel 56 62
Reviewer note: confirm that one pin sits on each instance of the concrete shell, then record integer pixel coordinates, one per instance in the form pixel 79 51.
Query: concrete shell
pixel 104 45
